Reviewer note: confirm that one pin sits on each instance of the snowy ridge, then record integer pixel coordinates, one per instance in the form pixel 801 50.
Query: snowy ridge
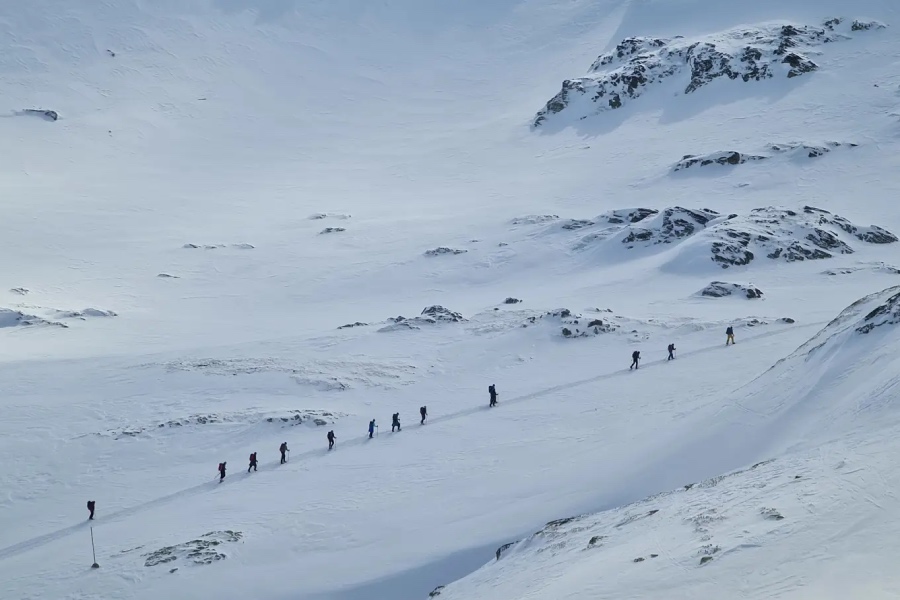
pixel 749 54
pixel 733 157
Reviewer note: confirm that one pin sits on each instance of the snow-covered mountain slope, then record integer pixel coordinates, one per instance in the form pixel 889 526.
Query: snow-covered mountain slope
pixel 827 411
pixel 229 224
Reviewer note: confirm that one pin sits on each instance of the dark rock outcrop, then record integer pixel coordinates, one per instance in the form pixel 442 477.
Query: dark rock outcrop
pixel 442 250
pixel 721 289
pixel 746 54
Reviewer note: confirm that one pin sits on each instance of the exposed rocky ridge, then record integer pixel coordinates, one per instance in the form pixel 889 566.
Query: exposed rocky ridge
pixel 572 325
pixel 734 240
pixel 443 250
pixel 51 317
pixel 721 289
pixel 875 267
pixel 886 313
pixel 747 54
pixel 733 157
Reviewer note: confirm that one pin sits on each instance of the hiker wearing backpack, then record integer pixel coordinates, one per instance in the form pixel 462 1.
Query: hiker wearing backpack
pixel 221 471
pixel 492 390
pixel 671 352
pixel 371 428
pixel 395 422
pixel 252 462
pixel 729 335
pixel 90 506
pixel 424 412
pixel 331 439
pixel 635 357
pixel 283 449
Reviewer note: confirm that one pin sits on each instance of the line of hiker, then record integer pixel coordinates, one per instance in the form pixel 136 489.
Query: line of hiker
pixel 423 413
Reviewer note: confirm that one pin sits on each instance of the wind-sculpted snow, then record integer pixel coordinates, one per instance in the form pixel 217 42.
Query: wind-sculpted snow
pixel 324 375
pixel 747 54
pixel 47 316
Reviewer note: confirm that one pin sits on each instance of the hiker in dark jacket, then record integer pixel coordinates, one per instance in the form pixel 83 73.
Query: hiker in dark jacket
pixel 371 428
pixel 91 505
pixel 424 412
pixel 729 335
pixel 671 352
pixel 283 449
pixel 252 462
pixel 221 472
pixel 331 439
pixel 635 357
pixel 395 422
pixel 492 390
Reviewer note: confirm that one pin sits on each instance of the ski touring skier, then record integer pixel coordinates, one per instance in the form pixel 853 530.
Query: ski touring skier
pixel 424 412
pixel 492 390
pixel 90 506
pixel 252 462
pixel 371 428
pixel 284 450
pixel 635 357
pixel 671 352
pixel 395 422
pixel 729 335
pixel 331 439
pixel 221 471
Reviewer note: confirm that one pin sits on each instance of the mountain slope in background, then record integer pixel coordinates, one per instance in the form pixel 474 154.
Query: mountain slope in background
pixel 234 224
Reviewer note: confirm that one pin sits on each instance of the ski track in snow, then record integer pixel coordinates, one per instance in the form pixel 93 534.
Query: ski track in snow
pixel 176 163
pixel 39 541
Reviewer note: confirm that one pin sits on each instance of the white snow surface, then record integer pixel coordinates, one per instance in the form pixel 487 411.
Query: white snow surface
pixel 170 304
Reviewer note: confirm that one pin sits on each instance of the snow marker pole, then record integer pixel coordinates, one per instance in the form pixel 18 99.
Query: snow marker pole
pixel 93 551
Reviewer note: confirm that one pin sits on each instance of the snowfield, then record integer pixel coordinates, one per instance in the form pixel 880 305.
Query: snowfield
pixel 229 225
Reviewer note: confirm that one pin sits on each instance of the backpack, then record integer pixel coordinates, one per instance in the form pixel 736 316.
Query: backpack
pixel 253 457
pixel 492 389
pixel 422 410
pixel 221 466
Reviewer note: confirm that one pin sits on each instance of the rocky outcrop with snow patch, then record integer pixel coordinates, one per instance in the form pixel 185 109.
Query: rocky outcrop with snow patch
pixel 573 325
pixel 20 291
pixel 430 316
pixel 332 230
pixel 721 289
pixel 443 250
pixel 672 225
pixel 320 216
pixel 733 157
pixel 534 219
pixel 886 313
pixel 747 54
pixel 875 267
pixel 205 550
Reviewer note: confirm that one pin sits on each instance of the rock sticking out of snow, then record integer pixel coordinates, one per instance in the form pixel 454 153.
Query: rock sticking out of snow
pixel 205 550
pixel 534 219
pixel 356 324
pixel 733 157
pixel 875 267
pixel 573 325
pixel 47 115
pixel 332 230
pixel 442 250
pixel 721 289
pixel 430 316
pixel 511 300
pixel 167 276
pixel 745 54
pixel 19 290
pixel 736 240
pixel 886 313
pixel 84 314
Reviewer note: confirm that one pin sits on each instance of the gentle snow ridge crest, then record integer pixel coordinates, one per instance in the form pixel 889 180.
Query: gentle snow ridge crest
pixel 748 54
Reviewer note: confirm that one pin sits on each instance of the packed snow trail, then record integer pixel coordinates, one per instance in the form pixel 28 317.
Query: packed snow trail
pixel 118 515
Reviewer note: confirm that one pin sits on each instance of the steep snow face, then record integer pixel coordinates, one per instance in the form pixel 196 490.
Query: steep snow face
pixel 748 54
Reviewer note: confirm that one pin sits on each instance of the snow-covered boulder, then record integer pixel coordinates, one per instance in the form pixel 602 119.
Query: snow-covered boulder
pixel 16 318
pixel 534 219
pixel 747 54
pixel 721 289
pixel 733 157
